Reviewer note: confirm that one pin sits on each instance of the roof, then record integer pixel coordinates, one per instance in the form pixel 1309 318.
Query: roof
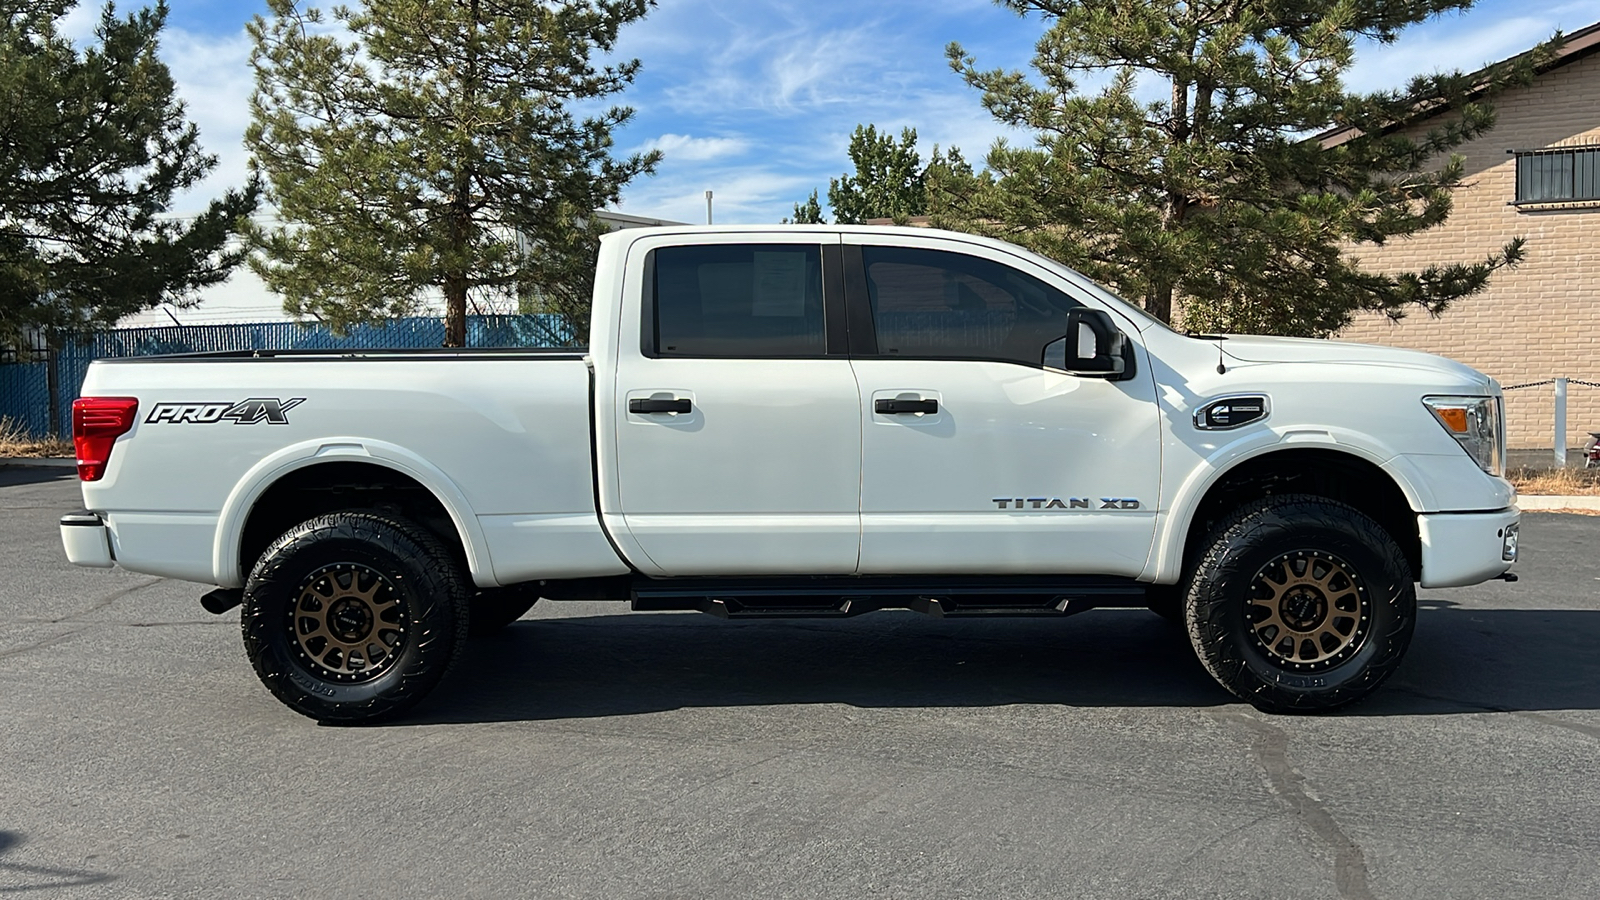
pixel 1579 44
pixel 622 220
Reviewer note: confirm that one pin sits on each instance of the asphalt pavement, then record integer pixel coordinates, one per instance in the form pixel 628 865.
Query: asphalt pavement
pixel 592 752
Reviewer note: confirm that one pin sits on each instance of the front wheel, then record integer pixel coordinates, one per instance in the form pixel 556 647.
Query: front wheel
pixel 1300 604
pixel 354 616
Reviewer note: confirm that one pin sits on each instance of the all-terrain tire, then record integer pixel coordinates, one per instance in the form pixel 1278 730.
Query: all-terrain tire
pixel 1250 569
pixel 321 583
pixel 495 608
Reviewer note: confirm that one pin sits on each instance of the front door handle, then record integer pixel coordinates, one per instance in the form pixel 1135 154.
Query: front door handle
pixel 677 405
pixel 904 407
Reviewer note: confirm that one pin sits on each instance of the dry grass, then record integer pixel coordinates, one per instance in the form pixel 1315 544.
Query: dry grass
pixel 14 441
pixel 1557 482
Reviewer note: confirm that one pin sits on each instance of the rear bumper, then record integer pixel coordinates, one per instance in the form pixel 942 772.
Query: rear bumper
pixel 1467 548
pixel 87 540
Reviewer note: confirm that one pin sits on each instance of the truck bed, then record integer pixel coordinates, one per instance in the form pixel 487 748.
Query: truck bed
pixel 469 425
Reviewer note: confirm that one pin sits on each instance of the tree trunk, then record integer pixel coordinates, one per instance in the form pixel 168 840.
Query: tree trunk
pixel 1158 302
pixel 455 310
pixel 456 280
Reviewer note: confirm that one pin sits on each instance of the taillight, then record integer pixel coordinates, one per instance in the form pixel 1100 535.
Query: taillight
pixel 97 422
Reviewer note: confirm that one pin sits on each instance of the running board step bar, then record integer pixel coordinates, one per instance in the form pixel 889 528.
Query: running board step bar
pixel 840 597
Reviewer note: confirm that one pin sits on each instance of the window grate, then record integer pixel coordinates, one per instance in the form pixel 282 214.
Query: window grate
pixel 1558 175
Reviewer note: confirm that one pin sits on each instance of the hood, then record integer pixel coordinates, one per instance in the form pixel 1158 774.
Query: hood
pixel 1251 348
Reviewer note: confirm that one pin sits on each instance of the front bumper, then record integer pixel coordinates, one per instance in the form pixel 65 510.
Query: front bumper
pixel 1467 548
pixel 87 540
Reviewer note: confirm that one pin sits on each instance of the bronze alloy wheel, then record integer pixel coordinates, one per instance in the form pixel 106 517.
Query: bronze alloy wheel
pixel 1308 610
pixel 348 623
pixel 354 616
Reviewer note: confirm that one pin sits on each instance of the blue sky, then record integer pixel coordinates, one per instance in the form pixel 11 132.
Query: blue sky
pixel 756 99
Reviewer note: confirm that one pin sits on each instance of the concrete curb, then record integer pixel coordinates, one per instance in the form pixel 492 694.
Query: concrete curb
pixel 48 462
pixel 1545 502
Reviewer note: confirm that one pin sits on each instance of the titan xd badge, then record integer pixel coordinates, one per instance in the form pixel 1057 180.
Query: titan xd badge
pixel 1058 503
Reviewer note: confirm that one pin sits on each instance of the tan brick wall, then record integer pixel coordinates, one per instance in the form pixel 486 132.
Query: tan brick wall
pixel 1543 319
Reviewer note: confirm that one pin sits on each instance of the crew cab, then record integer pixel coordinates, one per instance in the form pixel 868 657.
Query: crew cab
pixel 806 421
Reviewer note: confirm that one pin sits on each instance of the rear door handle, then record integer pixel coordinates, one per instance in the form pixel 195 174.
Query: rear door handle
pixel 641 405
pixel 904 407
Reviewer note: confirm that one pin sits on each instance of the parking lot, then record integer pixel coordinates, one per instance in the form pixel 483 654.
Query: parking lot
pixel 592 752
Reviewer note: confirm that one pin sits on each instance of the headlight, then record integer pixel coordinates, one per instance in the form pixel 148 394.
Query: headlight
pixel 1475 424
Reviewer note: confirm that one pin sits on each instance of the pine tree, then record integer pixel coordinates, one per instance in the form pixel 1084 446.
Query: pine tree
pixel 890 181
pixel 808 213
pixel 94 144
pixel 420 148
pixel 1215 193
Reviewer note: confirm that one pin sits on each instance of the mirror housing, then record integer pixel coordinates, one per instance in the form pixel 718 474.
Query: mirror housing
pixel 1092 346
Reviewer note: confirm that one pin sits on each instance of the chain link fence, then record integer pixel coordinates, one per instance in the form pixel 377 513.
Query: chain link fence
pixel 1548 421
pixel 39 383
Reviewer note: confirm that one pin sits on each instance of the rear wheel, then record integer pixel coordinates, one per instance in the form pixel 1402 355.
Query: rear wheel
pixel 354 616
pixel 1299 603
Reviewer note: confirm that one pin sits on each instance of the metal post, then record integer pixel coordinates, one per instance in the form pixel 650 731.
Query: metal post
pixel 52 380
pixel 708 207
pixel 1561 423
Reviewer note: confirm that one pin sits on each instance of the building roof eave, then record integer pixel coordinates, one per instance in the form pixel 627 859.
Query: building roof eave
pixel 1579 44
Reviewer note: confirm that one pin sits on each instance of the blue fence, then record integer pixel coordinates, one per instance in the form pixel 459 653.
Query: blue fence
pixel 26 389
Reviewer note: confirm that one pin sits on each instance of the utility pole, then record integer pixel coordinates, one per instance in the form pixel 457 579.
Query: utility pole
pixel 708 207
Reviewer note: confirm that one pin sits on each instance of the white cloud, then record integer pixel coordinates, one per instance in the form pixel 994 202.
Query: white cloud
pixel 685 147
pixel 81 21
pixel 743 195
pixel 1464 42
pixel 786 71
pixel 794 83
pixel 756 100
pixel 214 80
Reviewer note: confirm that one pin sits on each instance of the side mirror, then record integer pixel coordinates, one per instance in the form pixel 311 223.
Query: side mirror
pixel 1092 345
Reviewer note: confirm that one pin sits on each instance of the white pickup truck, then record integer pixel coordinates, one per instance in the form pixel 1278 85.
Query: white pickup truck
pixel 806 421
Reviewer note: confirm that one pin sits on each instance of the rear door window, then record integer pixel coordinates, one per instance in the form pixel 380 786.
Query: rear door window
pixel 737 301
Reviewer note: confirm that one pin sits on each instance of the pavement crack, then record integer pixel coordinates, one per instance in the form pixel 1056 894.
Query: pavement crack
pixel 724 776
pixel 40 644
pixel 1217 841
pixel 1578 727
pixel 1271 749
pixel 107 600
pixel 1587 730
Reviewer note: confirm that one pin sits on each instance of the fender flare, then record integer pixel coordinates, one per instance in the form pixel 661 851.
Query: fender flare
pixel 1172 525
pixel 249 489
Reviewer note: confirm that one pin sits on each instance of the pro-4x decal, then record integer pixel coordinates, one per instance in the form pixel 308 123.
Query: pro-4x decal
pixel 253 411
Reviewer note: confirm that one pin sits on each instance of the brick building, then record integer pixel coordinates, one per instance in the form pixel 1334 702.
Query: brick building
pixel 1536 174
